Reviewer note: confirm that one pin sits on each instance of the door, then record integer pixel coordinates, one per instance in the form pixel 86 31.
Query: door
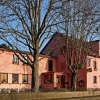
pixel 63 81
pixel 60 81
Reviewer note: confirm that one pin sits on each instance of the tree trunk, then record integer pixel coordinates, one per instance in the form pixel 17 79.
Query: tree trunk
pixel 35 68
pixel 74 81
pixel 35 79
pixel 32 81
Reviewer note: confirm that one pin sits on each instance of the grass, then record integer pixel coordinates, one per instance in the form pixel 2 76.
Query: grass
pixel 46 95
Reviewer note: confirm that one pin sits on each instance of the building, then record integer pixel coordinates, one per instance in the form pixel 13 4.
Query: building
pixel 88 76
pixel 52 70
pixel 16 75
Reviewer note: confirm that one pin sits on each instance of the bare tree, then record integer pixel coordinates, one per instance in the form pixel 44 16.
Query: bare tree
pixel 81 22
pixel 25 25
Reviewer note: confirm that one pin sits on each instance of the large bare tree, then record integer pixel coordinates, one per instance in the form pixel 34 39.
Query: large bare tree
pixel 25 25
pixel 81 22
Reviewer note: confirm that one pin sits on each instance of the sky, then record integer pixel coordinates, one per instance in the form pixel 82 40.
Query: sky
pixel 42 16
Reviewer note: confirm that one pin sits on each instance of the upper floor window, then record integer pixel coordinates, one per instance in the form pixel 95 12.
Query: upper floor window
pixel 94 79
pixel 89 69
pixel 95 65
pixel 15 59
pixel 14 78
pixel 25 78
pixel 50 65
pixel 4 78
pixel 63 49
pixel 89 62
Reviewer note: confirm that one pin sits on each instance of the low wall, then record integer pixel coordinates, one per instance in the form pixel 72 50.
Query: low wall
pixel 46 95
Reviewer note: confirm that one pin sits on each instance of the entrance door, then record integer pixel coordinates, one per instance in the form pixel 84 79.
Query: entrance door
pixel 63 81
pixel 60 81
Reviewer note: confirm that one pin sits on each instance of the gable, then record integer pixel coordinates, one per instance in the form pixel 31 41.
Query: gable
pixel 54 43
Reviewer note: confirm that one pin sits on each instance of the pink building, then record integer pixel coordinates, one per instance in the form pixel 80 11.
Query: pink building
pixel 13 73
pixel 52 70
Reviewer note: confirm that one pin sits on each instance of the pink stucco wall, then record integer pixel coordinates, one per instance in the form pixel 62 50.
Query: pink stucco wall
pixel 43 68
pixel 90 75
pixel 6 66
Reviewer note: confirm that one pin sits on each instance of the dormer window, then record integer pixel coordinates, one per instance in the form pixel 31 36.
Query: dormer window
pixel 50 65
pixel 15 59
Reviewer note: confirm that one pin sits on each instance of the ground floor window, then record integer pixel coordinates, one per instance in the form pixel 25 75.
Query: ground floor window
pixel 14 78
pixel 4 78
pixel 48 78
pixel 25 78
pixel 81 83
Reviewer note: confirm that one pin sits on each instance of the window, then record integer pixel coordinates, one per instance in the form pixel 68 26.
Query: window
pixel 15 59
pixel 63 65
pixel 50 65
pixel 89 70
pixel 95 65
pixel 63 49
pixel 48 78
pixel 94 79
pixel 14 78
pixel 4 78
pixel 81 83
pixel 88 62
pixel 25 78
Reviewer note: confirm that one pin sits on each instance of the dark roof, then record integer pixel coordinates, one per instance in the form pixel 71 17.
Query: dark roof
pixel 91 51
pixel 11 50
pixel 25 52
pixel 51 40
pixel 95 41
